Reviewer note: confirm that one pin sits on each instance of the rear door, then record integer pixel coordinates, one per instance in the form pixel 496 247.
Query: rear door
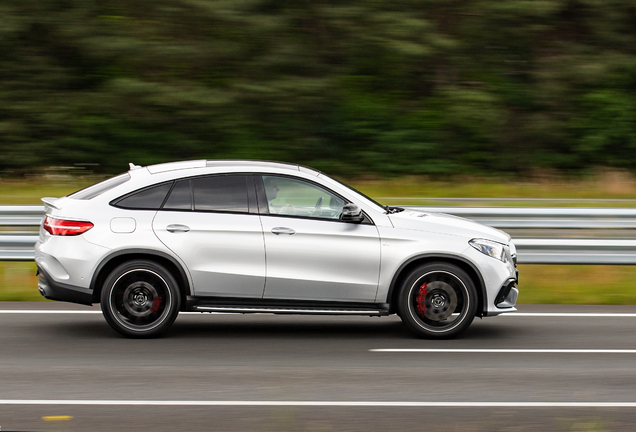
pixel 212 224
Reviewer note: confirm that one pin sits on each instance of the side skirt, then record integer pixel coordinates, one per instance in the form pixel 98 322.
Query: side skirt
pixel 235 305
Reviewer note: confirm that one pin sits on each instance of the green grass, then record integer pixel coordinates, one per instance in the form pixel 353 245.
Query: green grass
pixel 556 284
pixel 412 190
pixel 28 192
pixel 577 284
pixel 539 284
pixel 408 190
pixel 18 282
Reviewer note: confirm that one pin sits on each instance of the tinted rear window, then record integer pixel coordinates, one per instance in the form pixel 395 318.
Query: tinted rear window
pixel 146 199
pixel 99 188
pixel 180 198
pixel 226 193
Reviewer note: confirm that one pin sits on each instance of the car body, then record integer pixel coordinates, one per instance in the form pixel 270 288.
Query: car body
pixel 255 236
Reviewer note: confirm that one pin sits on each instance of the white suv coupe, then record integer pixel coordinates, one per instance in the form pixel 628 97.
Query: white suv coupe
pixel 264 237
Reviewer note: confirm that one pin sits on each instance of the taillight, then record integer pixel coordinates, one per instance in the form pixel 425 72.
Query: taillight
pixel 63 227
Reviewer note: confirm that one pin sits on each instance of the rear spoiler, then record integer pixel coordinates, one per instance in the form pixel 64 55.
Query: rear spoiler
pixel 49 201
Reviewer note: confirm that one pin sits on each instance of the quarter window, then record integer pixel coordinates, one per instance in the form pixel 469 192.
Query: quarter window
pixel 146 199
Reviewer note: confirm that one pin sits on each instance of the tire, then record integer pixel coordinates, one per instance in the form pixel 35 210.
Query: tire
pixel 140 299
pixel 437 301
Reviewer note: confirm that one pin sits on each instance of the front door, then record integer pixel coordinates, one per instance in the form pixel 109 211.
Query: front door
pixel 311 254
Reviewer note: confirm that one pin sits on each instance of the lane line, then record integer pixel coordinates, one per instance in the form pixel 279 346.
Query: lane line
pixel 257 403
pixel 48 312
pixel 505 350
pixel 573 314
pixel 510 314
pixel 54 312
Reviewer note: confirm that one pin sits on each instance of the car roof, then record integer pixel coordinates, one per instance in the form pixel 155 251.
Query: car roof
pixel 224 163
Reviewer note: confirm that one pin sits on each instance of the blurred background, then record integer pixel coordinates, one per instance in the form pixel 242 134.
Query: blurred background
pixel 486 102
pixel 479 87
pixel 403 99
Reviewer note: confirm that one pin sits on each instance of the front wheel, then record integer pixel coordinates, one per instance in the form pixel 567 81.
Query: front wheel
pixel 437 301
pixel 140 299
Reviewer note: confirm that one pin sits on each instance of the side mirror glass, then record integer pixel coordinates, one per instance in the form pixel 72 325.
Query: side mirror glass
pixel 352 213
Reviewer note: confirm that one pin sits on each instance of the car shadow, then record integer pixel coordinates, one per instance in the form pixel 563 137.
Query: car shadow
pixel 267 327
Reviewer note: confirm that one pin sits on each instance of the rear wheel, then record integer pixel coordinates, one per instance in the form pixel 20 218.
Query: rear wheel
pixel 437 301
pixel 140 299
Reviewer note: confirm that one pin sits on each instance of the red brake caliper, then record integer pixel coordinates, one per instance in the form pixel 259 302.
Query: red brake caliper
pixel 421 299
pixel 155 304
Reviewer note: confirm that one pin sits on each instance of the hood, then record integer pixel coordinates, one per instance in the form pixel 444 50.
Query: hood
pixel 447 224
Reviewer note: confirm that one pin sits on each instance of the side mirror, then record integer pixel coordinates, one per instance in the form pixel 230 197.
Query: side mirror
pixel 352 213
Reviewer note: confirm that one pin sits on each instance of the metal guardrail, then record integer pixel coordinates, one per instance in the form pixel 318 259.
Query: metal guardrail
pixel 27 215
pixel 545 217
pixel 20 247
pixel 16 247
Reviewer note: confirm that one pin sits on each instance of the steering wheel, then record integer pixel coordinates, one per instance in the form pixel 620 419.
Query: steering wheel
pixel 317 207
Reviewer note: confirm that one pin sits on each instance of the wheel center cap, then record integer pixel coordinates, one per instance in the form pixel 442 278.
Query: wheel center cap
pixel 438 301
pixel 140 299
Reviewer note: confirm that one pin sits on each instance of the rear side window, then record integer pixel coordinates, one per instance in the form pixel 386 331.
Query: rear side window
pixel 146 199
pixel 226 193
pixel 180 198
pixel 99 188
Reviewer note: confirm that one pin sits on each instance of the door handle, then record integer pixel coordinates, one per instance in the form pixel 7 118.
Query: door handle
pixel 176 228
pixel 283 230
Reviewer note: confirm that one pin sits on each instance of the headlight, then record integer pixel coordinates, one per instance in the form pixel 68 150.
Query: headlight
pixel 491 248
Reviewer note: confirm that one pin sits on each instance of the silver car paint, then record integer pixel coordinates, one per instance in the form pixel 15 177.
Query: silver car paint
pixel 321 260
pixel 224 252
pixel 402 237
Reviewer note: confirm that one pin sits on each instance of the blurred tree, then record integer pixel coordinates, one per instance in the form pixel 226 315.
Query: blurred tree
pixel 433 87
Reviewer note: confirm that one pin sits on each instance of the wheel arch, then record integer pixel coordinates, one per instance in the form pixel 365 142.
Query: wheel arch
pixel 113 260
pixel 405 269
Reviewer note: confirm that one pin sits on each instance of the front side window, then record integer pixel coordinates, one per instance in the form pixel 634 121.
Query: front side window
pixel 294 197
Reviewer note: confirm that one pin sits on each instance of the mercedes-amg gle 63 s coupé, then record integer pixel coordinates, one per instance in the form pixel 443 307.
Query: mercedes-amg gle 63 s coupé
pixel 264 237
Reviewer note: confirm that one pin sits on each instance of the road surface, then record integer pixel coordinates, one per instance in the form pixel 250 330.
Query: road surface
pixel 569 368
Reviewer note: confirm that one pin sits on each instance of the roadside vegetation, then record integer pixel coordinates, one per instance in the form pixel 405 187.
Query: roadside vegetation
pixel 407 190
pixel 558 284
pixel 539 284
pixel 352 87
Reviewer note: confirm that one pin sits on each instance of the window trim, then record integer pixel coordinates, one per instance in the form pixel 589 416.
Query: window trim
pixel 249 188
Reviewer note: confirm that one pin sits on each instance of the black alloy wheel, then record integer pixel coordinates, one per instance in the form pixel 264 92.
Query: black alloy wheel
pixel 437 301
pixel 140 299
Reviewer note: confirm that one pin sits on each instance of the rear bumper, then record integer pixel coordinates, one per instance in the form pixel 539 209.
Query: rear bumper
pixel 58 291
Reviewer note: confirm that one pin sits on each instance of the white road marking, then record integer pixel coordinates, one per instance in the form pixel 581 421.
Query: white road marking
pixel 48 312
pixel 510 314
pixel 505 350
pixel 316 403
pixel 574 314
pixel 17 311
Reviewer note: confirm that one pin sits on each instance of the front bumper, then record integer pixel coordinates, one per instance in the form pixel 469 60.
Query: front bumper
pixel 507 296
pixel 62 292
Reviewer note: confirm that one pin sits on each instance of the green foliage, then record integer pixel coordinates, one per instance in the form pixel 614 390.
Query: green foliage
pixel 356 86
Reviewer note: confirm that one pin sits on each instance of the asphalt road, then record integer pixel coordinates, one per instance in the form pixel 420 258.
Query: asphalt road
pixel 71 372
